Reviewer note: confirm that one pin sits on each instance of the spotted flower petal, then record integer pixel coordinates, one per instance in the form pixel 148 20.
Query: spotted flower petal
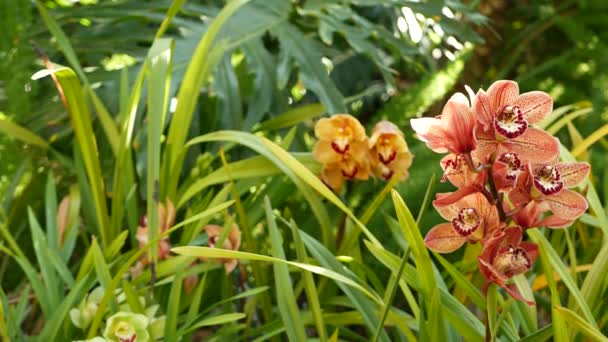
pixel 534 145
pixel 567 204
pixel 572 174
pixel 472 216
pixel 535 105
pixel 444 239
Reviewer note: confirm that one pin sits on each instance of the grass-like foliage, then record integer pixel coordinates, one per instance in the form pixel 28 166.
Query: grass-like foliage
pixel 246 170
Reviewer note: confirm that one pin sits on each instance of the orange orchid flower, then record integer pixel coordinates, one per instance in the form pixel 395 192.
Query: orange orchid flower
pixel 453 131
pixel 338 133
pixel 548 185
pixel 505 171
pixel 472 218
pixel 342 149
pixel 166 219
pixel 505 117
pixel 457 171
pixel 231 242
pixel 504 255
pixel 389 151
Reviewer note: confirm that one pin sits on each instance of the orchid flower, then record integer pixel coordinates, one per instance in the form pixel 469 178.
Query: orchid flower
pixel 166 219
pixel 548 186
pixel 505 117
pixel 504 255
pixel 471 219
pixel 453 131
pixel 389 151
pixel 342 149
pixel 505 171
pixel 231 242
pixel 457 171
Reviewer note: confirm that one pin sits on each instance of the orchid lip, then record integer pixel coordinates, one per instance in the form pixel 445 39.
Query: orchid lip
pixel 548 180
pixel 453 167
pixel 511 159
pixel 352 174
pixel 388 175
pixel 512 261
pixel 510 122
pixel 339 149
pixel 467 221
pixel 388 160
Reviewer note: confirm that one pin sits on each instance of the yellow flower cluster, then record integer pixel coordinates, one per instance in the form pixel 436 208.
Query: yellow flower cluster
pixel 347 153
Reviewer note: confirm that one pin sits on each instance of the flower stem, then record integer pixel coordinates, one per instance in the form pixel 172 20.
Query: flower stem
pixel 497 197
pixel 491 310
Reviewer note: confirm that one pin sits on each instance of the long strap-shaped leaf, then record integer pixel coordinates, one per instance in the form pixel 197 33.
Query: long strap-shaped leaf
pixel 198 72
pixel 78 110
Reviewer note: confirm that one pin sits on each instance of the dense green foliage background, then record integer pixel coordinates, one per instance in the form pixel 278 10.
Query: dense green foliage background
pixel 274 67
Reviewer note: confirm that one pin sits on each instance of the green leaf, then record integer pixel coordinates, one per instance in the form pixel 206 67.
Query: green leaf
pixel 581 324
pixel 62 39
pixel 106 120
pixel 288 308
pixel 366 308
pixel 176 5
pixel 559 267
pixel 428 284
pixel 159 81
pixel 463 283
pixel 455 312
pixel 41 250
pixel 55 322
pixel 13 130
pixel 218 253
pixel 85 138
pixel 197 73
pixel 390 295
pixel 217 320
pixel 101 267
pixel 491 311
pixel 309 282
pixel 171 334
pixel 258 166
pixel 292 117
pixel 312 72
pixel 132 298
pixel 50 211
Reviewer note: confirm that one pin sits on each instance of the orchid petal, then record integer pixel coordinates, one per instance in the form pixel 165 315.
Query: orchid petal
pixel 534 145
pixel 571 174
pixel 486 145
pixel 483 110
pixel 567 204
pixel 513 291
pixel 324 153
pixel 553 221
pixel 444 239
pixel 430 131
pixel 502 93
pixel 535 105
pixel 444 199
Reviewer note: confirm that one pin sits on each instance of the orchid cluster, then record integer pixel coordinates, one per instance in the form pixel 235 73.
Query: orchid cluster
pixel 508 176
pixel 347 153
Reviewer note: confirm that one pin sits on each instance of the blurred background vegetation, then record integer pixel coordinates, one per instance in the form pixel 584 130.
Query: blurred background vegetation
pixel 375 59
pixel 384 61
